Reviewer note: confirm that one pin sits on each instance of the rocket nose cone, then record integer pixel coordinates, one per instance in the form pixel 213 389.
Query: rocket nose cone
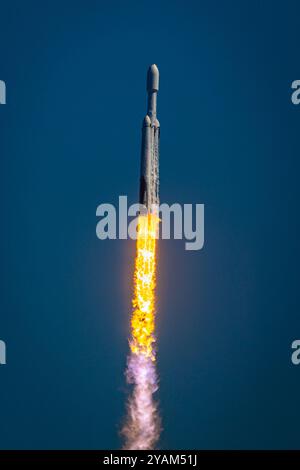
pixel 147 121
pixel 153 68
pixel 153 78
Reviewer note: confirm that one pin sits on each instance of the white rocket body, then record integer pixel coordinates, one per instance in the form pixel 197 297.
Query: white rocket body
pixel 149 182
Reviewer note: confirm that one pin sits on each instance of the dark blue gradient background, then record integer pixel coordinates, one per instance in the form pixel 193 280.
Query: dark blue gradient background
pixel 70 140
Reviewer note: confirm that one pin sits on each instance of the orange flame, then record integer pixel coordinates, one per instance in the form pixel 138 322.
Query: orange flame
pixel 143 315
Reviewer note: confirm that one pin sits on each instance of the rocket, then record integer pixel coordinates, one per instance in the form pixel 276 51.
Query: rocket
pixel 149 180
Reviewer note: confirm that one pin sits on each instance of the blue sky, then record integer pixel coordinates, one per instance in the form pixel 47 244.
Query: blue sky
pixel 70 140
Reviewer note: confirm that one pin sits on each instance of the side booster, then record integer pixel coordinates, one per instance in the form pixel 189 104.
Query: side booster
pixel 149 182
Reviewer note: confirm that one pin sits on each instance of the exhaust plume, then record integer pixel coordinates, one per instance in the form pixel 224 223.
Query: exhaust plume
pixel 142 426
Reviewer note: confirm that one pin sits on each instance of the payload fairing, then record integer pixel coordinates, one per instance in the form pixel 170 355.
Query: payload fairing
pixel 149 182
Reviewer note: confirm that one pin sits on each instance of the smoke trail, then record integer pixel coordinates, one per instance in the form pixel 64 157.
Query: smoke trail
pixel 142 427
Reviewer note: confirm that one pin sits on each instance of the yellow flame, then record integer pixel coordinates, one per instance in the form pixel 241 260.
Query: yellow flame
pixel 143 315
